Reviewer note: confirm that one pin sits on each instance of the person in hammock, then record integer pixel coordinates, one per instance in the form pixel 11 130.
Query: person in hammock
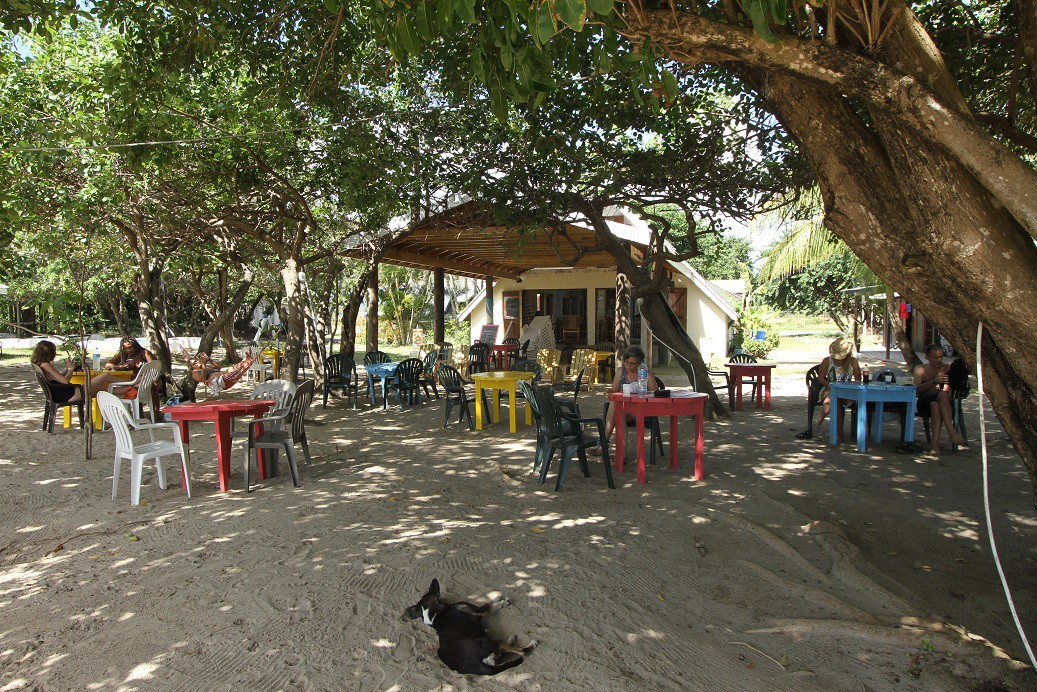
pixel 217 379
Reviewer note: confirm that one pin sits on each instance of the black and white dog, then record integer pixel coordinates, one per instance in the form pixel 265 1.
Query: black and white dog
pixel 463 643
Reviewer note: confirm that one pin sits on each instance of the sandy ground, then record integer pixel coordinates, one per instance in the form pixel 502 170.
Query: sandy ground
pixel 793 566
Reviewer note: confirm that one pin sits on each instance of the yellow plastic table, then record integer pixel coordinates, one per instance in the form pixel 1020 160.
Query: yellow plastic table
pixel 95 412
pixel 274 354
pixel 498 380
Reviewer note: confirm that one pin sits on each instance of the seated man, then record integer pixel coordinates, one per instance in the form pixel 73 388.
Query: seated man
pixel 934 396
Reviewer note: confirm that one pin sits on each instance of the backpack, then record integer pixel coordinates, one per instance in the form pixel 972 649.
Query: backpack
pixel 958 376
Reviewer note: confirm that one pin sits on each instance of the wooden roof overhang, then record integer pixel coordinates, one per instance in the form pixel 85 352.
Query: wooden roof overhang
pixel 466 241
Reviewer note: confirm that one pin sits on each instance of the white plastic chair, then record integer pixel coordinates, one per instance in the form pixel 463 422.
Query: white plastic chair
pixel 113 411
pixel 146 377
pixel 261 368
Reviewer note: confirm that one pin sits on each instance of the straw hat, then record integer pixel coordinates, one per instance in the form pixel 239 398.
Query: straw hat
pixel 840 348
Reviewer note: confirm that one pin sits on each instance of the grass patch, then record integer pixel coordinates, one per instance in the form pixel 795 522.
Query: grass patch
pixel 14 356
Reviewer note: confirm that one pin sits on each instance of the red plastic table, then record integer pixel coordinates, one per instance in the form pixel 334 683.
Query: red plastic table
pixel 220 413
pixel 677 404
pixel 761 372
pixel 502 352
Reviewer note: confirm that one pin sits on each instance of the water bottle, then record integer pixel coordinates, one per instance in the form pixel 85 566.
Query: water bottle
pixel 642 378
pixel 96 365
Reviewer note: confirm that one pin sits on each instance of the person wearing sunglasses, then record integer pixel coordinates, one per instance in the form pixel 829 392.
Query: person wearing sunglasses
pixel 632 359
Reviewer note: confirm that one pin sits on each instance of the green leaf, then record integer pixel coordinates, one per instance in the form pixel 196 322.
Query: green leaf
pixel 779 11
pixel 757 11
pixel 600 7
pixel 670 85
pixel 478 65
pixel 546 27
pixel 498 102
pixel 406 35
pixel 465 9
pixel 573 13
pixel 445 14
pixel 422 21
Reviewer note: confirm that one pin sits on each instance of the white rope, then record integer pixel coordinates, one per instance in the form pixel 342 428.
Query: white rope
pixel 986 497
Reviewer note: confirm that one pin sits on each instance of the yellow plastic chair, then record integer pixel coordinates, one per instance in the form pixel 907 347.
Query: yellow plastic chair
pixel 550 360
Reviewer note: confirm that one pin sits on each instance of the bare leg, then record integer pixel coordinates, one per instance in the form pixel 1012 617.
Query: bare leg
pixel 936 425
pixel 947 416
pixel 826 406
pixel 610 421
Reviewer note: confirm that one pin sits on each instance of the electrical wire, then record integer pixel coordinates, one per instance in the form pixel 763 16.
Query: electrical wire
pixel 986 498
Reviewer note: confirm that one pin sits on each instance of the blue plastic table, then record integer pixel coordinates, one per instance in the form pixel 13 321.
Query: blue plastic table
pixel 879 394
pixel 383 370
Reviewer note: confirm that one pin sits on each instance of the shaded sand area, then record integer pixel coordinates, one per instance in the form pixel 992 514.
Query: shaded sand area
pixel 794 566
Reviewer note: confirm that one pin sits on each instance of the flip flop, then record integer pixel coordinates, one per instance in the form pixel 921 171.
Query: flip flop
pixel 805 435
pixel 594 451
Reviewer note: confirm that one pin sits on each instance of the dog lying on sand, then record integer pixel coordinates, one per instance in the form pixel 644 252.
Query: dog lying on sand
pixel 463 643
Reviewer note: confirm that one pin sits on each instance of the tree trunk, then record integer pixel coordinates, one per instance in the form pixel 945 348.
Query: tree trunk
pixel 655 308
pixel 227 332
pixel 939 240
pixel 899 328
pixel 219 322
pixel 295 324
pixel 149 304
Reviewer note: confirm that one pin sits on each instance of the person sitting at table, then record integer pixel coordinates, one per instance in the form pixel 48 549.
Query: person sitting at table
pixel 130 356
pixel 632 359
pixel 934 396
pixel 205 371
pixel 839 366
pixel 61 388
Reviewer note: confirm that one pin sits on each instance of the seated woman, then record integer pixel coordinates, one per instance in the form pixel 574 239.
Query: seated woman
pixel 205 371
pixel 63 391
pixel 839 366
pixel 130 356
pixel 632 359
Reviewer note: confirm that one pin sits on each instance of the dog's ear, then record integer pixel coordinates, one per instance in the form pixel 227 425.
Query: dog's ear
pixel 414 612
pixel 434 589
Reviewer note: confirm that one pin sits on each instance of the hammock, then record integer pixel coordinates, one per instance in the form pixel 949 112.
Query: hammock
pixel 227 380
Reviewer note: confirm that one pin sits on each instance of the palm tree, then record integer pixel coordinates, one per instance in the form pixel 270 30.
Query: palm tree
pixel 808 242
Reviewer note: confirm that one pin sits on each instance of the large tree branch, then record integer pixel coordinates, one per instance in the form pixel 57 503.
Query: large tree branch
pixel 883 88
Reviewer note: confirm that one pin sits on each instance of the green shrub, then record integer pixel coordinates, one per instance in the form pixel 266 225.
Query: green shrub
pixel 750 321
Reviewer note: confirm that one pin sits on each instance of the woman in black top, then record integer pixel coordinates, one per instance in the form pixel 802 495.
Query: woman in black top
pixel 61 388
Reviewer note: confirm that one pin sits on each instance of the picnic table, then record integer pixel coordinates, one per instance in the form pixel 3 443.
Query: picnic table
pixel 221 412
pixel 384 371
pixel 879 394
pixel 760 373
pixel 498 380
pixel 95 412
pixel 679 403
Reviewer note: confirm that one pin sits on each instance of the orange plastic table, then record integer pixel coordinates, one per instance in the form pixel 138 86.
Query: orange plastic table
pixel 679 403
pixel 220 413
pixel 761 372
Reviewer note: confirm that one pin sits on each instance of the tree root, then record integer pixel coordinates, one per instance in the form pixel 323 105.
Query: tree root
pixel 753 648
pixel 902 637
pixel 847 562
pixel 811 594
pixel 776 543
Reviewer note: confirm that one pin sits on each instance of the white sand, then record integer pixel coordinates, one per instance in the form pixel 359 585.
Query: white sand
pixel 794 566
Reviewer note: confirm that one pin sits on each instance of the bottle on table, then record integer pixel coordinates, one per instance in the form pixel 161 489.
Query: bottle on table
pixel 865 375
pixel 642 378
pixel 96 363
